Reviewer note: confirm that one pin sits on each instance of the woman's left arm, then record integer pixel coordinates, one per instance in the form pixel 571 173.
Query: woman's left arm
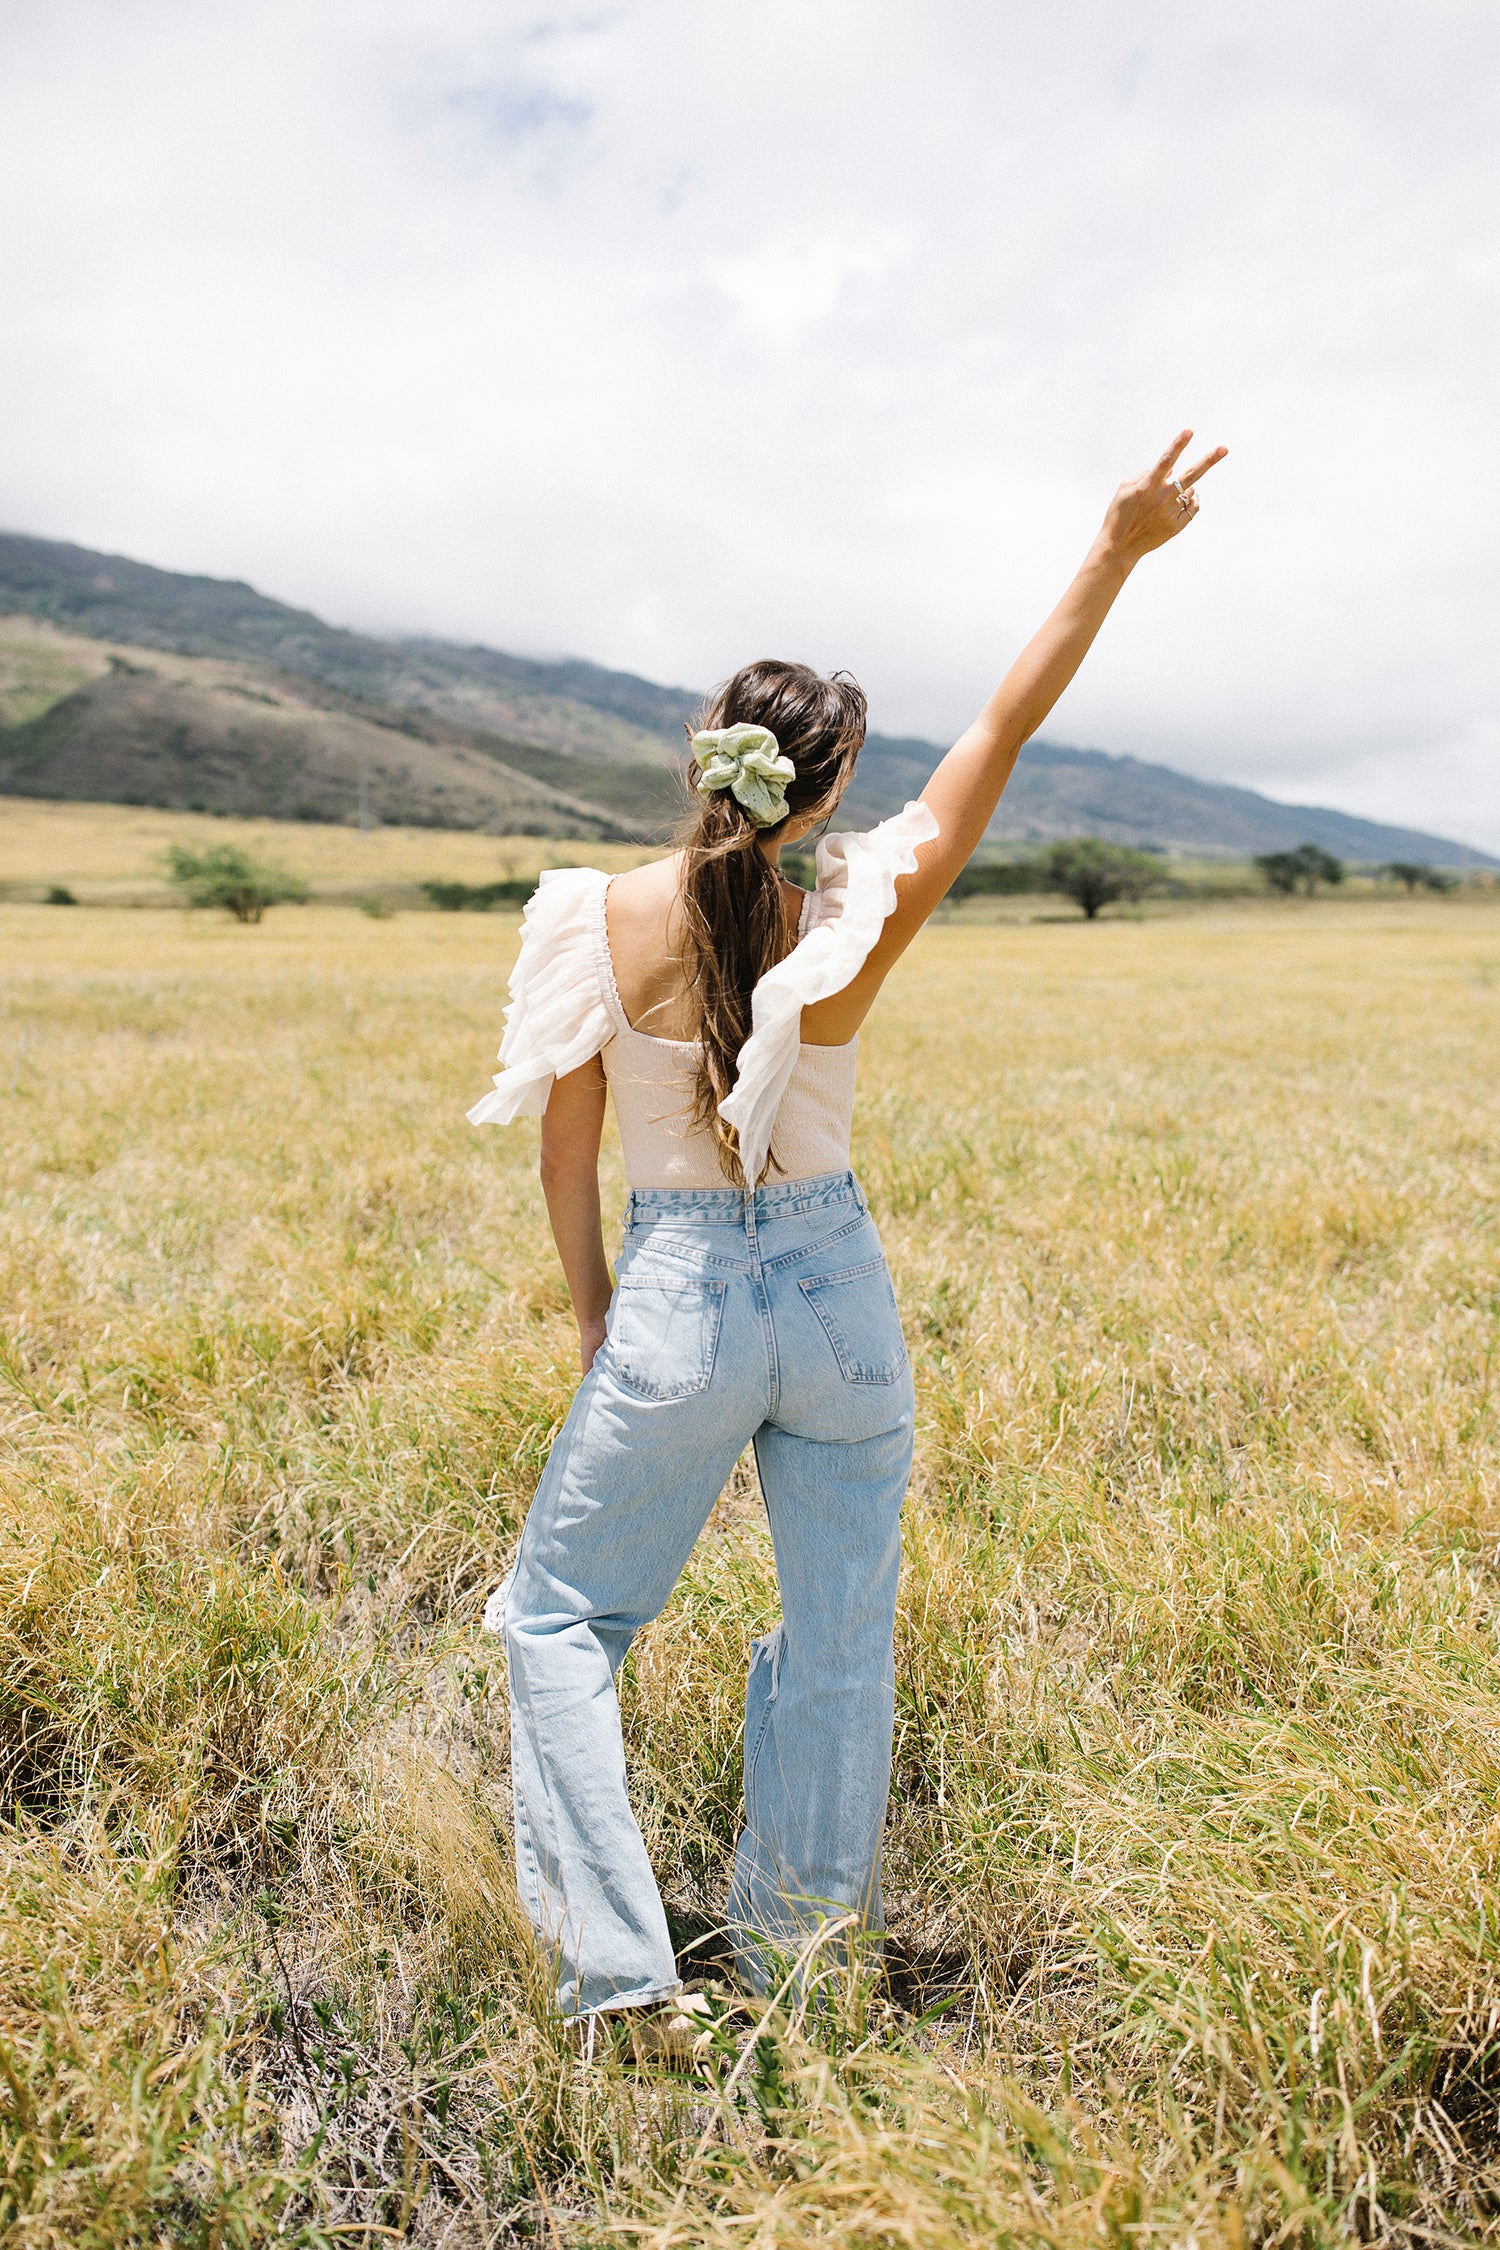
pixel 965 788
pixel 572 1126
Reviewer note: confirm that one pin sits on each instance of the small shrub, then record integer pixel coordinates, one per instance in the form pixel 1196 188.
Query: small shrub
pixel 228 877
pixel 999 878
pixel 478 898
pixel 377 909
pixel 60 895
pixel 1418 876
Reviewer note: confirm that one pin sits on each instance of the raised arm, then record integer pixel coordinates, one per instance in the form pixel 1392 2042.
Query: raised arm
pixel 966 787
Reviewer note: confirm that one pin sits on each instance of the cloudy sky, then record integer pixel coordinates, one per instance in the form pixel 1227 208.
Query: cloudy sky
pixel 674 332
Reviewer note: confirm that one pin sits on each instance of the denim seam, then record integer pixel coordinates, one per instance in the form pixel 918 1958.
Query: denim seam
pixel 692 1256
pixel 526 1858
pixel 773 1363
pixel 796 1207
pixel 753 1762
pixel 845 1273
pixel 727 1204
pixel 628 1280
pixel 813 1249
pixel 763 1656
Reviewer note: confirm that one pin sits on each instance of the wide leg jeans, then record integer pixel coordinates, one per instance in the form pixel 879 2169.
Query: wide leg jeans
pixel 765 1318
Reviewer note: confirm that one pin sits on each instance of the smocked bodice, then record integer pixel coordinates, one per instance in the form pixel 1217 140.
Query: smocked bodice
pixel 792 1105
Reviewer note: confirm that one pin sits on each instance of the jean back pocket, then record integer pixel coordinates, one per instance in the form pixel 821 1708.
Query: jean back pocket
pixel 664 1333
pixel 860 1318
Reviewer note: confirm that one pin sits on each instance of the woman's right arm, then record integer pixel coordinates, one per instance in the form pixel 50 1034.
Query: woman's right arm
pixel 572 1126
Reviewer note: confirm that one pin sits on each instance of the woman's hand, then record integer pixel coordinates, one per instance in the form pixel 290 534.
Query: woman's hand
pixel 1153 508
pixel 590 1337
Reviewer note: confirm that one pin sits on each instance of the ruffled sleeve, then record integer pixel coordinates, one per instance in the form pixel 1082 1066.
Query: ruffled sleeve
pixel 856 891
pixel 559 1014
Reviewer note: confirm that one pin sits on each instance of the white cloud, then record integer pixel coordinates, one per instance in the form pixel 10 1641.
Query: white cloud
pixel 670 335
pixel 783 288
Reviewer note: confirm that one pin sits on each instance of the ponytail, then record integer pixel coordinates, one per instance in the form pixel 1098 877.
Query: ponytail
pixel 734 921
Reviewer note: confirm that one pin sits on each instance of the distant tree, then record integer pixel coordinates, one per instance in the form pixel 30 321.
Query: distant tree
pixel 1418 876
pixel 1279 870
pixel 1301 870
pixel 478 898
pixel 225 876
pixel 60 895
pixel 1095 873
pixel 997 878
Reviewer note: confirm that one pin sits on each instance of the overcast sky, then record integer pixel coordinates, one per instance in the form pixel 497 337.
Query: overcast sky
pixel 676 332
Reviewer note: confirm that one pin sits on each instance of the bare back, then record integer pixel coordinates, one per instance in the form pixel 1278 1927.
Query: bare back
pixel 643 917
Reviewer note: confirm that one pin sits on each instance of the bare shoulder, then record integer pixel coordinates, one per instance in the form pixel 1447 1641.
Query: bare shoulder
pixel 653 879
pixel 642 898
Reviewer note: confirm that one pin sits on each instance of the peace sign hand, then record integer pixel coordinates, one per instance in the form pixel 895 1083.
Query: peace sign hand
pixel 1152 509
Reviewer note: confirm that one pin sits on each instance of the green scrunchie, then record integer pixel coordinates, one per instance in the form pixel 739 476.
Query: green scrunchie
pixel 747 761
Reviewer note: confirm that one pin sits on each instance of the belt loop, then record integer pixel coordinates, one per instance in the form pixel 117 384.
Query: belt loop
pixel 750 1241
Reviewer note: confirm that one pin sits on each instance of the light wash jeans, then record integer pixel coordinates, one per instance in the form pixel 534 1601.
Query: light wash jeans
pixel 735 1318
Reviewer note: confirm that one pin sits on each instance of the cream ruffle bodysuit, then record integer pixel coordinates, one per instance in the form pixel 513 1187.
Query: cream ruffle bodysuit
pixel 565 1008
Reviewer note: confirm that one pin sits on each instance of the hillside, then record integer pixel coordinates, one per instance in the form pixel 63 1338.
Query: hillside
pixel 122 724
pixel 1057 791
pixel 488 739
pixel 108 597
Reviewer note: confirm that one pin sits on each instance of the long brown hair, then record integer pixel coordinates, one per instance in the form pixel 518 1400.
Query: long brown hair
pixel 734 921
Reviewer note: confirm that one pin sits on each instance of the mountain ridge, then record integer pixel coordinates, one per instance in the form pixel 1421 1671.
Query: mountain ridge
pixel 605 741
pixel 113 722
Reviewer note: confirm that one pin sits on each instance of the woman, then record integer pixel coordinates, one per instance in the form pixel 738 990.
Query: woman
pixel 751 1303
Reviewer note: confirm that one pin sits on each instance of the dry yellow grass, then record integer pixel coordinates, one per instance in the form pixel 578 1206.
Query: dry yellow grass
pixel 116 854
pixel 1194 1828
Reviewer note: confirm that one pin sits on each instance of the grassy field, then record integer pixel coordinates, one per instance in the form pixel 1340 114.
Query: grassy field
pixel 1193 1845
pixel 115 855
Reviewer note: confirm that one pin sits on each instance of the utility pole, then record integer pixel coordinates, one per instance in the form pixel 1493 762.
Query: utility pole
pixel 364 797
